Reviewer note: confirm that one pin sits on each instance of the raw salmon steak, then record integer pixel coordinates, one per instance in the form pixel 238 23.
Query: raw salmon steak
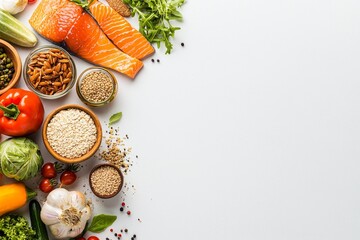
pixel 119 30
pixel 64 22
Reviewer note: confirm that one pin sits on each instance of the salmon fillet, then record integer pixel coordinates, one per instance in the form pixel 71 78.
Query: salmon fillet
pixel 97 47
pixel 64 22
pixel 119 30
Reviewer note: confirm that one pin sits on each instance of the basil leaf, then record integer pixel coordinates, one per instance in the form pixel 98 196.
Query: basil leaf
pixel 101 222
pixel 115 118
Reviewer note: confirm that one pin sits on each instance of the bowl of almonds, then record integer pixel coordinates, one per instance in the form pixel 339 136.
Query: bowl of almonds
pixel 50 72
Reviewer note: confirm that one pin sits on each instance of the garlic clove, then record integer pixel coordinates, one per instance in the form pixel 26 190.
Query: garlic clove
pixel 59 198
pixel 13 6
pixel 50 214
pixel 60 230
pixel 77 199
pixel 85 214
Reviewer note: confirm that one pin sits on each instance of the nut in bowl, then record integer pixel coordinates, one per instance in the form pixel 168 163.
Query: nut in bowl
pixel 50 72
pixel 10 66
pixel 106 180
pixel 72 133
pixel 96 87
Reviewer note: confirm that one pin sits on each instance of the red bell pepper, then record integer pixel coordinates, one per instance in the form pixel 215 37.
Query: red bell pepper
pixel 21 112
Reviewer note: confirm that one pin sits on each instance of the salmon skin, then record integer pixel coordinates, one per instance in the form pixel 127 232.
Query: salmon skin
pixel 66 23
pixel 120 32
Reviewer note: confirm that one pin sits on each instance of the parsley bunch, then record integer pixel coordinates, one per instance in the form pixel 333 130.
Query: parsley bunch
pixel 155 18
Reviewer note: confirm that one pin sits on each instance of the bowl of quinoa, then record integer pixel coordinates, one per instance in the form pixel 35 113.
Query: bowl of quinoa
pixel 72 133
pixel 96 87
pixel 106 180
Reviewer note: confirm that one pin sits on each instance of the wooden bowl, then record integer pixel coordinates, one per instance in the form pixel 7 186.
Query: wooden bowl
pixel 87 155
pixel 14 56
pixel 119 188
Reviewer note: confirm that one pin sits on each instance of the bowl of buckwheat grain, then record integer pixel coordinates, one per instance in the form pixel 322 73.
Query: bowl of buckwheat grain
pixel 72 133
pixel 106 180
pixel 50 72
pixel 96 87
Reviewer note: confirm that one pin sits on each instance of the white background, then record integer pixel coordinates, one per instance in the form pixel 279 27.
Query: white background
pixel 250 131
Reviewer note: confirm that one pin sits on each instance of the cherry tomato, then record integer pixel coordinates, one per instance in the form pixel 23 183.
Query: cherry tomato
pixel 31 1
pixel 48 170
pixel 46 185
pixel 68 177
pixel 93 238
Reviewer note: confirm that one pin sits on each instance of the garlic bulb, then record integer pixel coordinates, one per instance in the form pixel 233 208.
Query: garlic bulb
pixel 13 6
pixel 65 213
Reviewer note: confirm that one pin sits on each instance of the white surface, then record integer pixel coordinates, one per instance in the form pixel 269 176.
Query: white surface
pixel 250 131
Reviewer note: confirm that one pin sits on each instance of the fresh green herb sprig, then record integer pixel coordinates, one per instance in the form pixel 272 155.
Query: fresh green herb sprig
pixel 155 18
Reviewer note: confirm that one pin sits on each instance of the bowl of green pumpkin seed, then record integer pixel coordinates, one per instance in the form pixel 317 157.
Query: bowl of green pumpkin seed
pixel 10 66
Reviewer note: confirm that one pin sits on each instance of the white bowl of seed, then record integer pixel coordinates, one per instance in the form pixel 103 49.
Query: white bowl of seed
pixel 50 72
pixel 106 180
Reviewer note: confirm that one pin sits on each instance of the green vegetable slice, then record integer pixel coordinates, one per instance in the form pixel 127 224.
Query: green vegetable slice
pixel 101 222
pixel 115 118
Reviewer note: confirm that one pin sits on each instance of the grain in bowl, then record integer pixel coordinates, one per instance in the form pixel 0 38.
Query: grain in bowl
pixel 96 86
pixel 71 133
pixel 106 180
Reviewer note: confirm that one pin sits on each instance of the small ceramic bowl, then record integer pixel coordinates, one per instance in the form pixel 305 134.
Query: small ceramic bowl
pixel 82 96
pixel 35 85
pixel 119 187
pixel 14 56
pixel 87 155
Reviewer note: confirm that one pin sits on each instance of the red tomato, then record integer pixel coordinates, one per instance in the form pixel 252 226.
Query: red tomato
pixel 48 170
pixel 93 238
pixel 46 185
pixel 68 177
pixel 31 1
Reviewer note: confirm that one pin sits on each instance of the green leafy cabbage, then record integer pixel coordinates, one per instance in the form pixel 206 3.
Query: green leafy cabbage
pixel 20 158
